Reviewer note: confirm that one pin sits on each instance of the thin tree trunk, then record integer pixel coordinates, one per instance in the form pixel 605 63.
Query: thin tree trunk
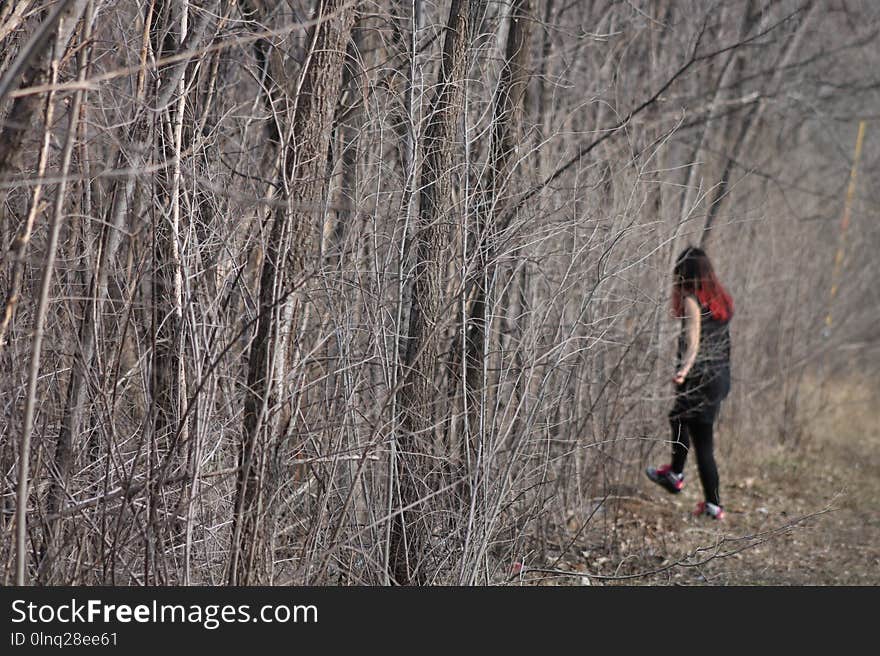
pixel 417 393
pixel 289 249
pixel 42 310
pixel 167 383
pixel 12 300
pixel 506 130
pixel 84 355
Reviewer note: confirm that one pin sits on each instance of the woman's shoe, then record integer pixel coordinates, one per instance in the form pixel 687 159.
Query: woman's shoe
pixel 709 509
pixel 666 478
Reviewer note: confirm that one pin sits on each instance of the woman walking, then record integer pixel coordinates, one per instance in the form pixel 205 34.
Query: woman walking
pixel 702 379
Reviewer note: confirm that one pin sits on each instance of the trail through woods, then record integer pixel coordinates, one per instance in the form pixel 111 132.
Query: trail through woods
pixel 805 514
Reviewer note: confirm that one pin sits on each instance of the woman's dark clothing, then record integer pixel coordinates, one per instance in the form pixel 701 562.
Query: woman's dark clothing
pixel 700 434
pixel 698 400
pixel 708 382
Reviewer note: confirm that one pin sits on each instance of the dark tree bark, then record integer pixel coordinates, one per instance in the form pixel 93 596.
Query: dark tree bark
pixel 422 349
pixel 506 129
pixel 34 68
pixel 290 246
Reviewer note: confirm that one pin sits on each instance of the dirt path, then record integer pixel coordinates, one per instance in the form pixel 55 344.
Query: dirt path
pixel 805 515
pixel 834 475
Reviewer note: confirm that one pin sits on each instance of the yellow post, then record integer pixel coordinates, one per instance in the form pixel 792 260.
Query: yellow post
pixel 844 225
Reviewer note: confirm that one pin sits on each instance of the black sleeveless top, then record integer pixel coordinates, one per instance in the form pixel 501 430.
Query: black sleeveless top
pixel 713 356
pixel 708 382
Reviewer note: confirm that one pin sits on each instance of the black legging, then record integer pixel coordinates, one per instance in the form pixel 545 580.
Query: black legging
pixel 685 431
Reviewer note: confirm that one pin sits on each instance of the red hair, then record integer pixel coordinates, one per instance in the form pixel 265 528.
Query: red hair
pixel 694 275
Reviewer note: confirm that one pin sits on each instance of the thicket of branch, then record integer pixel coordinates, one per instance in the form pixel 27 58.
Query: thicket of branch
pixel 378 292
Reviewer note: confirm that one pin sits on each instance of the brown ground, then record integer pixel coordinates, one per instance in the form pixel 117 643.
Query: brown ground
pixel 797 514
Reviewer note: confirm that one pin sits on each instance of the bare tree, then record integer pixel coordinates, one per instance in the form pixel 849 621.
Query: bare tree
pixel 285 266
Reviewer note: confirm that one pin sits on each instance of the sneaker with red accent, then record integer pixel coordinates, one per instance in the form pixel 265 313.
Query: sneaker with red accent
pixel 666 478
pixel 705 508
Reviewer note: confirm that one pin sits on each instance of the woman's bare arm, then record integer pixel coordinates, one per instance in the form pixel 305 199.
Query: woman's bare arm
pixel 692 330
